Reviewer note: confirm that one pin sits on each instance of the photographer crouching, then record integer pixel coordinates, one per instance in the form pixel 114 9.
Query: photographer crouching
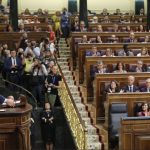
pixel 39 73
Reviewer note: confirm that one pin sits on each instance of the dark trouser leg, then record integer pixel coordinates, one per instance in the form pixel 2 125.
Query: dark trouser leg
pixel 40 95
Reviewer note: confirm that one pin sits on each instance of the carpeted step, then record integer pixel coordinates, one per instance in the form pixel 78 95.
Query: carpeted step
pixel 65 67
pixel 67 72
pixel 62 45
pixel 92 138
pixel 94 146
pixel 65 55
pixel 87 121
pixel 81 107
pixel 62 59
pixel 64 48
pixel 91 130
pixel 62 42
pixel 69 78
pixel 61 39
pixel 70 82
pixel 77 99
pixel 65 52
pixel 63 63
pixel 83 114
pixel 73 88
pixel 75 94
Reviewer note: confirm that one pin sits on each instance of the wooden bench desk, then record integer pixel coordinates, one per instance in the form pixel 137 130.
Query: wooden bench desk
pixel 102 80
pixel 82 48
pixel 104 36
pixel 110 62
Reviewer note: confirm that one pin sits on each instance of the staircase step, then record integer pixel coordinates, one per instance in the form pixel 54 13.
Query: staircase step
pixel 67 51
pixel 64 48
pixel 62 39
pixel 64 55
pixel 62 45
pixel 62 59
pixel 94 146
pixel 83 114
pixel 69 78
pixel 81 107
pixel 63 63
pixel 87 121
pixel 62 42
pixel 91 130
pixel 92 138
pixel 65 68
pixel 73 88
pixel 70 82
pixel 67 72
pixel 77 99
pixel 75 94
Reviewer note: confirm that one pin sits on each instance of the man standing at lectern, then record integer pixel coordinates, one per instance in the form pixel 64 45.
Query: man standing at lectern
pixel 9 101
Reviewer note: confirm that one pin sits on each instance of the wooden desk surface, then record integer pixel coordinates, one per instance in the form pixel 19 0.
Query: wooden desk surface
pixel 16 110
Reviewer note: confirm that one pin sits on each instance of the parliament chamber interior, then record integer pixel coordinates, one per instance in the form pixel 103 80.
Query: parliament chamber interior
pixel 75 75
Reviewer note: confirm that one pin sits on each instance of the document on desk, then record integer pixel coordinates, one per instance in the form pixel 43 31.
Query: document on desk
pixel 16 102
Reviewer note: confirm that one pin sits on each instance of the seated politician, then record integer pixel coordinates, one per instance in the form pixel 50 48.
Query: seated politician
pixel 93 52
pixel 146 88
pixel 131 38
pixel 120 68
pixel 130 87
pixel 98 69
pixel 113 87
pixel 140 67
pixel 144 110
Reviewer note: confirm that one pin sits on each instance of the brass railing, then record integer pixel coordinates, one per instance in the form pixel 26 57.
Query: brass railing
pixel 76 124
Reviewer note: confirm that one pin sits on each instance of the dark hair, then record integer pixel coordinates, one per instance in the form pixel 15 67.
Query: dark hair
pixel 117 66
pixel 141 109
pixel 109 86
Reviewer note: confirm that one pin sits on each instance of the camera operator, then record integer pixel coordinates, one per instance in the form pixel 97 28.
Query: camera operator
pixel 39 72
pixel 47 58
pixel 52 83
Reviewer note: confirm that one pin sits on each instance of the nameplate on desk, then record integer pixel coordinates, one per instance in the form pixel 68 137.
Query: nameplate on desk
pixel 2 110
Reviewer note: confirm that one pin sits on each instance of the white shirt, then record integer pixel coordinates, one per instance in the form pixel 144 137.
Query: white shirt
pixel 13 60
pixel 36 51
pixel 130 86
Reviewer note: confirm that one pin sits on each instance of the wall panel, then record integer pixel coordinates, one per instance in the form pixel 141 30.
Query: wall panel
pixel 94 5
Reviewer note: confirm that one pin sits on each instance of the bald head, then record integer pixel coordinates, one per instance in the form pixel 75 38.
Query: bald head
pixel 131 80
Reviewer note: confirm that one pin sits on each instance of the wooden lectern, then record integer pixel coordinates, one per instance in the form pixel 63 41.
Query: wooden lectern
pixel 15 128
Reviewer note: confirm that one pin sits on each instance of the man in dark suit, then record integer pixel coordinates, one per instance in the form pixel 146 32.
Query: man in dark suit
pixel 132 38
pixel 147 87
pixel 8 101
pixel 99 69
pixel 13 67
pixel 130 87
